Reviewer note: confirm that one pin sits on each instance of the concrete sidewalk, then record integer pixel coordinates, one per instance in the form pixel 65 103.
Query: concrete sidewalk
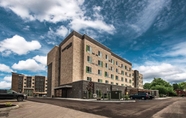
pixel 30 109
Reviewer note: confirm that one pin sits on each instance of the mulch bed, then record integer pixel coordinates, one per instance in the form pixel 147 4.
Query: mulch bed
pixel 4 106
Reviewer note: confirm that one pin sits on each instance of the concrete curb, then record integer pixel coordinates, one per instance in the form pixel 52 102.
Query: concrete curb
pixel 9 108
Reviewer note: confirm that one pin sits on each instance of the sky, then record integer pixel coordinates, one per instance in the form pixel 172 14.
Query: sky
pixel 151 34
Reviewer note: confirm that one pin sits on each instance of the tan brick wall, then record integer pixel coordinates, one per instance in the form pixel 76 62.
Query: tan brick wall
pixel 53 57
pixel 94 75
pixel 78 49
pixel 15 78
pixel 66 63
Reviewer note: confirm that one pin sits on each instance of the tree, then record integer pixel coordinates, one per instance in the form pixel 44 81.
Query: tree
pixel 175 86
pixel 159 81
pixel 146 86
pixel 182 85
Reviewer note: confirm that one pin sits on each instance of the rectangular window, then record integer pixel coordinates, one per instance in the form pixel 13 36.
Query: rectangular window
pixel 125 79
pixel 112 61
pixel 122 72
pixel 99 72
pixel 112 83
pixel 125 67
pixel 106 57
pixel 106 81
pixel 112 76
pixel 130 81
pixel 126 73
pixel 122 79
pixel 111 68
pixel 116 70
pixel 89 59
pixel 122 84
pixel 106 74
pixel 89 79
pixel 100 80
pixel 121 65
pixel 116 77
pixel 116 63
pixel 88 48
pixel 99 54
pixel 116 83
pixel 100 63
pixel 106 65
pixel 88 69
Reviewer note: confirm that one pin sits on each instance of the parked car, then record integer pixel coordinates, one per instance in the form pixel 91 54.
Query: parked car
pixel 11 94
pixel 142 96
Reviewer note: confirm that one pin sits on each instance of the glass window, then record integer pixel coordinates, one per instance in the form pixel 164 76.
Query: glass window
pixel 106 65
pixel 116 63
pixel 116 83
pixel 116 77
pixel 99 54
pixel 88 69
pixel 100 63
pixel 100 80
pixel 116 70
pixel 112 83
pixel 99 72
pixel 106 81
pixel 112 76
pixel 106 74
pixel 122 72
pixel 89 79
pixel 88 48
pixel 106 57
pixel 122 79
pixel 89 59
pixel 125 79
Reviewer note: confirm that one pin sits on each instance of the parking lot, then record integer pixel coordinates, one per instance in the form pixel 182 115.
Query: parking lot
pixel 61 108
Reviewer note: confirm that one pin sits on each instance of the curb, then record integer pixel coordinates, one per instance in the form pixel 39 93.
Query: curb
pixel 9 108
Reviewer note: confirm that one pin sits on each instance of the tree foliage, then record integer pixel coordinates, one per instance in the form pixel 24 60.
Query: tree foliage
pixel 146 86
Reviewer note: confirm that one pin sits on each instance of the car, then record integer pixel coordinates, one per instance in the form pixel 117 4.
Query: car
pixel 11 94
pixel 143 96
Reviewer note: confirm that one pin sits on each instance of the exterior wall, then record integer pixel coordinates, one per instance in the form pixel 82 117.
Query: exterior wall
pixel 66 62
pixel 52 61
pixel 19 84
pixel 78 60
pixel 94 65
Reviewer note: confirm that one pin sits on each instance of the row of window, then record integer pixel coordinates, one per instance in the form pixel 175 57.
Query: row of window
pixel 89 49
pixel 106 81
pixel 100 63
pixel 106 74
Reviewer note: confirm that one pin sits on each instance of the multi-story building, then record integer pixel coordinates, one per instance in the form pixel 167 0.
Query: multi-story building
pixel 80 59
pixel 30 85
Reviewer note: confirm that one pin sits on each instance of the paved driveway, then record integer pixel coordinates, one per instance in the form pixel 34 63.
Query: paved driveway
pixel 30 109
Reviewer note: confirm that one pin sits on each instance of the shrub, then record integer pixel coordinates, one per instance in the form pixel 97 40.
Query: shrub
pixel 8 104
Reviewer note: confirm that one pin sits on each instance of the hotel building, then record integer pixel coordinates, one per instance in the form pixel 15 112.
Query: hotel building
pixel 30 85
pixel 80 63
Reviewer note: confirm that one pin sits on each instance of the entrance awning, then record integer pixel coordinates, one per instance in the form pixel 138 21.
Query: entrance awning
pixel 64 86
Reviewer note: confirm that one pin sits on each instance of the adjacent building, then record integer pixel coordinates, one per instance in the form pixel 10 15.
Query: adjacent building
pixel 81 66
pixel 30 85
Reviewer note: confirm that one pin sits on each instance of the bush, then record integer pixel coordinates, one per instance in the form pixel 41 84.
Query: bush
pixel 126 97
pixel 8 104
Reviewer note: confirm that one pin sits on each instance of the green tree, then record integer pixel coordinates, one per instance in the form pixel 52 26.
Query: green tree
pixel 175 86
pixel 146 86
pixel 182 85
pixel 162 89
pixel 161 82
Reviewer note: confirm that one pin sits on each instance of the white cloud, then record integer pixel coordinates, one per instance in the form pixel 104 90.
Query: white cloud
pixel 167 71
pixel 18 45
pixel 177 50
pixel 61 31
pixel 5 68
pixel 29 64
pixel 41 59
pixel 57 11
pixel 6 82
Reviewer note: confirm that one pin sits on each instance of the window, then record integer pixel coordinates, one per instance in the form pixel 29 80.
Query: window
pixel 100 80
pixel 125 79
pixel 100 63
pixel 116 70
pixel 89 79
pixel 121 65
pixel 116 63
pixel 112 61
pixel 88 48
pixel 106 57
pixel 129 75
pixel 99 54
pixel 116 83
pixel 130 81
pixel 89 59
pixel 106 65
pixel 112 83
pixel 125 73
pixel 116 77
pixel 99 72
pixel 112 76
pixel 122 79
pixel 88 69
pixel 122 72
pixel 106 74
pixel 122 84
pixel 106 81
pixel 125 67
pixel 111 68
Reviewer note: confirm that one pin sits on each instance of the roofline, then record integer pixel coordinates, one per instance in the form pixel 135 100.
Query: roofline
pixel 94 42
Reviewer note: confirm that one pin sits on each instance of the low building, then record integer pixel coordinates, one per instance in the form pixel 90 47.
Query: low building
pixel 30 85
pixel 80 66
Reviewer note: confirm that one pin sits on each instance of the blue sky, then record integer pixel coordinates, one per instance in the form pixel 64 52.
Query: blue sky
pixel 149 33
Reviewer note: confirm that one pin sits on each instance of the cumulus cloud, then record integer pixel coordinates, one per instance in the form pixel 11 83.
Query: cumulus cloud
pixel 29 64
pixel 167 71
pixel 61 31
pixel 6 82
pixel 57 11
pixel 5 68
pixel 18 45
pixel 41 59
